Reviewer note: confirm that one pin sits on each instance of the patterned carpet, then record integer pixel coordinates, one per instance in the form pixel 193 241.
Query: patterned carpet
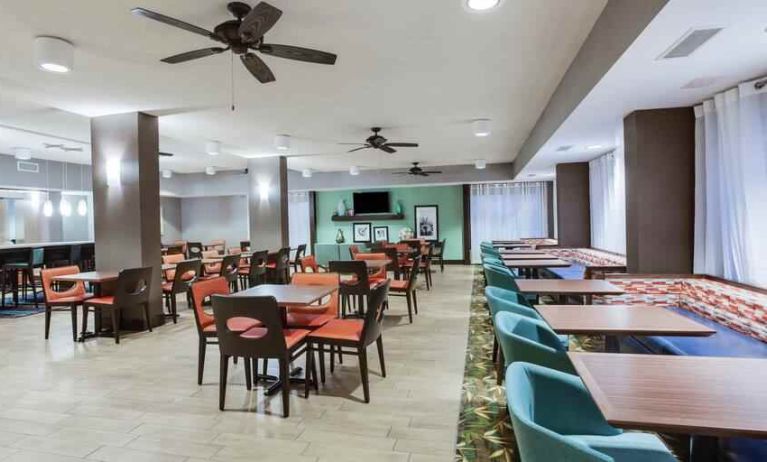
pixel 20 311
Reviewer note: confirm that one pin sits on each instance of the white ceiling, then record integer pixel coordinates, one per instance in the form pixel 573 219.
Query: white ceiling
pixel 638 80
pixel 421 69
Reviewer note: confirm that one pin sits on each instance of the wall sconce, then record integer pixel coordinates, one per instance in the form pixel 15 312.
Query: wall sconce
pixel 113 172
pixel 263 190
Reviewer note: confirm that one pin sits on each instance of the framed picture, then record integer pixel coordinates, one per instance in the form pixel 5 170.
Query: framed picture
pixel 361 232
pixel 381 233
pixel 427 222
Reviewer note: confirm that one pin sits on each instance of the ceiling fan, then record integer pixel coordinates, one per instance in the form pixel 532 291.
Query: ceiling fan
pixel 418 171
pixel 376 141
pixel 241 36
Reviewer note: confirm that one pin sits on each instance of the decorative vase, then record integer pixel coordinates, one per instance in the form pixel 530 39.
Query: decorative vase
pixel 405 233
pixel 341 209
pixel 398 208
pixel 340 237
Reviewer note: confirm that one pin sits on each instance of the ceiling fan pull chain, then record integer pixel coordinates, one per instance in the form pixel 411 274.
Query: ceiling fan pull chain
pixel 231 75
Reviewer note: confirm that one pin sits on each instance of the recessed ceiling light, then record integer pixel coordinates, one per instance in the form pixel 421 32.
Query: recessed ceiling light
pixel 594 146
pixel 210 170
pixel 354 170
pixel 481 127
pixel 480 164
pixel 53 54
pixel 167 173
pixel 481 5
pixel 306 173
pixel 22 153
pixel 282 142
pixel 213 148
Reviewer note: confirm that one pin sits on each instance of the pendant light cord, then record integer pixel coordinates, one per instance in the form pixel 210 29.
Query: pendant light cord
pixel 231 78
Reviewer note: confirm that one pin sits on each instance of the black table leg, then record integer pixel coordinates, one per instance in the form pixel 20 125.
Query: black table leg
pixel 704 448
pixel 612 344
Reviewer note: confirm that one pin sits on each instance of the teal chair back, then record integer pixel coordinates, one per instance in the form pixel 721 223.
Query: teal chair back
pixel 505 300
pixel 530 340
pixel 545 407
pixel 500 277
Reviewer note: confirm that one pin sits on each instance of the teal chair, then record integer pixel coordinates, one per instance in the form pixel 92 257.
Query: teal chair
pixel 506 300
pixel 531 341
pixel 555 419
pixel 500 277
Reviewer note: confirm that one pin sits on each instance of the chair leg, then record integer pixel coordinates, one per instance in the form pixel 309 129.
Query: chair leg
pixel 85 319
pixel 409 307
pixel 116 324
pixel 495 348
pixel 340 356
pixel 32 284
pixel 223 373
pixel 322 362
pixel 265 366
pixel 362 353
pixel 146 317
pixel 173 310
pixel 285 378
pixel 332 358
pixel 309 365
pixel 379 347
pixel 415 301
pixel 248 374
pixel 201 359
pixel 499 367
pixel 73 309
pixel 47 321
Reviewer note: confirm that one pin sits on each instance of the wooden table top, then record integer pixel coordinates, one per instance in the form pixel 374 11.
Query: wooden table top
pixel 211 261
pixel 512 245
pixel 522 250
pixel 89 276
pixel 724 397
pixel 567 287
pixel 527 256
pixel 376 264
pixel 290 294
pixel 619 320
pixel 533 263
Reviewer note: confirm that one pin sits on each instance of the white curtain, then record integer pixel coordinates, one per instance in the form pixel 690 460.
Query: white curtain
pixel 607 188
pixel 731 185
pixel 298 219
pixel 503 211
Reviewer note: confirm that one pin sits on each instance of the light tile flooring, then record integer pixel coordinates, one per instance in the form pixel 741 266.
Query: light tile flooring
pixel 139 401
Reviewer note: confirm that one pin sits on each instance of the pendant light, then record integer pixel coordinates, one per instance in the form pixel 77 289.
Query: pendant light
pixel 47 205
pixel 82 205
pixel 65 208
pixel 54 54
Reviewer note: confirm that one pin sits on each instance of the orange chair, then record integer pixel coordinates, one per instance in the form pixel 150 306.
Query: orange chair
pixel 379 275
pixel 170 274
pixel 212 268
pixel 354 250
pixel 219 245
pixel 314 316
pixel 310 263
pixel 206 323
pixel 69 298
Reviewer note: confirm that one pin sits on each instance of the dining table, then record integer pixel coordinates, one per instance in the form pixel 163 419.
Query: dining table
pixel 705 397
pixel 612 321
pixel 531 267
pixel 97 280
pixel 527 256
pixel 584 288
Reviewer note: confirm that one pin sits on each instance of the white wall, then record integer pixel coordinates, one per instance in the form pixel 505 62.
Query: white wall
pixel 204 219
pixel 170 208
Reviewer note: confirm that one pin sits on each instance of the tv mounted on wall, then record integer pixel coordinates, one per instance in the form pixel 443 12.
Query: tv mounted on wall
pixel 371 202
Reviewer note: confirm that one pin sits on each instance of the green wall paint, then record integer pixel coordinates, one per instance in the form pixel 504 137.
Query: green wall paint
pixel 448 198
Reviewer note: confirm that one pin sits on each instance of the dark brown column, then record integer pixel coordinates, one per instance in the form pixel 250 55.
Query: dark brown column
pixel 466 224
pixel 268 203
pixel 312 220
pixel 573 205
pixel 660 190
pixel 126 201
pixel 550 209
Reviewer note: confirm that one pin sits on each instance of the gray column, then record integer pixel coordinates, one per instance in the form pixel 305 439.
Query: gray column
pixel 126 206
pixel 660 190
pixel 55 223
pixel 573 205
pixel 268 203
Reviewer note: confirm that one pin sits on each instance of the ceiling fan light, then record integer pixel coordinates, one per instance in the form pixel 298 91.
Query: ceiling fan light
pixel 282 142
pixel 480 164
pixel 22 153
pixel 482 5
pixel 210 170
pixel 213 148
pixel 82 207
pixel 481 127
pixel 306 173
pixel 54 54
pixel 167 173
pixel 354 170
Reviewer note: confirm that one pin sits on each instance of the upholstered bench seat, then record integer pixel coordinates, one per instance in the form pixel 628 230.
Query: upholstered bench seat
pixel 574 271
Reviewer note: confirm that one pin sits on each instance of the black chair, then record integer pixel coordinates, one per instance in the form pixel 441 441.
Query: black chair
pixel 300 253
pixel 194 250
pixel 88 257
pixel 230 270
pixel 393 266
pixel 35 259
pixel 175 250
pixel 76 255
pixel 186 274
pixel 131 291
pixel 255 273
pixel 278 266
pixel 355 287
pixel 245 246
pixel 407 288
pixel 439 254
pixel 268 341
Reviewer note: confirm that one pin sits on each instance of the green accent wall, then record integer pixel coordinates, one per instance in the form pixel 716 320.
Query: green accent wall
pixel 448 198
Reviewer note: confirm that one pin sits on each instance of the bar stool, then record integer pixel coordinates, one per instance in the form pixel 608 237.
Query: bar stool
pixel 34 260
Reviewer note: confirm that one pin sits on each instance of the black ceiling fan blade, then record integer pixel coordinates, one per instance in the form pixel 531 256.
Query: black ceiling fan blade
pixel 351 144
pixel 387 148
pixel 257 67
pixel 432 172
pixel 175 23
pixel 403 145
pixel 196 54
pixel 260 19
pixel 166 154
pixel 367 146
pixel 298 53
pixel 400 173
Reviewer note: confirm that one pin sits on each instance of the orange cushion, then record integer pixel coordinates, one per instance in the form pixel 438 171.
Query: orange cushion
pixel 235 325
pixel 308 321
pixel 106 300
pixel 292 336
pixel 68 300
pixel 339 329
pixel 167 287
pixel 396 284
pixel 271 265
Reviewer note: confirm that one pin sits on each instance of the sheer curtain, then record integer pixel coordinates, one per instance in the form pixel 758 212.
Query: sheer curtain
pixel 731 185
pixel 607 188
pixel 507 211
pixel 298 219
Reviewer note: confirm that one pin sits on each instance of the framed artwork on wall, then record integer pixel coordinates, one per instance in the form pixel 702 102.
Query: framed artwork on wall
pixel 427 222
pixel 361 232
pixel 381 233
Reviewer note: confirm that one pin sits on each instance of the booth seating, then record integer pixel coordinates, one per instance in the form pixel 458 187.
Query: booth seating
pixel 586 263
pixel 735 311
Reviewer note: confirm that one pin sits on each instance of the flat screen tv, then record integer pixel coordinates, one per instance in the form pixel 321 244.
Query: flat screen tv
pixel 371 202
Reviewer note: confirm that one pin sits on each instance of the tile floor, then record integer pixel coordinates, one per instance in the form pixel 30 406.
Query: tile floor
pixel 139 401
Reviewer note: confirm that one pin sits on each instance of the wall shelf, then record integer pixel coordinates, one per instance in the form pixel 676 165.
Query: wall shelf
pixel 369 217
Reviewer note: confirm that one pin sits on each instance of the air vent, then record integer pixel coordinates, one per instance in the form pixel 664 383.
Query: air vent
pixel 28 167
pixel 690 42
pixel 701 82
pixel 564 148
